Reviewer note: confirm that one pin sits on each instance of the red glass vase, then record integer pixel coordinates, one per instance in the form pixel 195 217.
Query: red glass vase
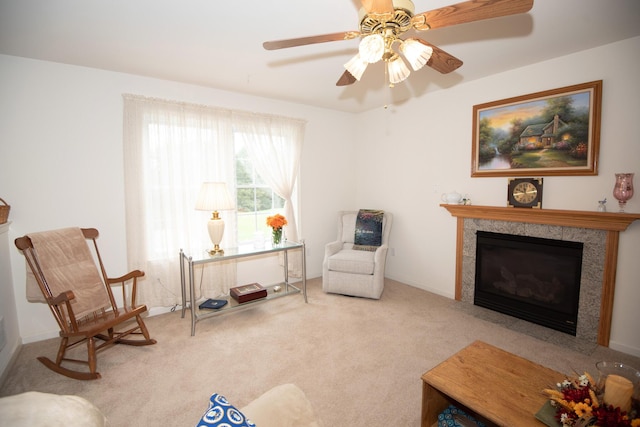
pixel 623 190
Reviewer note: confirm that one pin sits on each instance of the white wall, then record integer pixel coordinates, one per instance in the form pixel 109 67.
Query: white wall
pixel 9 333
pixel 423 148
pixel 61 164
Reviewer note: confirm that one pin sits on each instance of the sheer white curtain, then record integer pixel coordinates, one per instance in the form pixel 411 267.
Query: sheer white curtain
pixel 170 148
pixel 275 147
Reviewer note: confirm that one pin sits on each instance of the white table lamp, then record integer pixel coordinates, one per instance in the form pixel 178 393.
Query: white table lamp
pixel 215 196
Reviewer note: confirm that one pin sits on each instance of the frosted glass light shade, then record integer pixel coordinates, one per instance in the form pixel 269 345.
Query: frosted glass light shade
pixel 416 53
pixel 398 70
pixel 356 67
pixel 371 48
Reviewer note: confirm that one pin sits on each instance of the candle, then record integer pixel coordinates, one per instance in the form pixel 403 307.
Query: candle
pixel 618 391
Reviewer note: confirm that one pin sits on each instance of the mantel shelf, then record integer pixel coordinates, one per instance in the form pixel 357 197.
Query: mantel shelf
pixel 610 221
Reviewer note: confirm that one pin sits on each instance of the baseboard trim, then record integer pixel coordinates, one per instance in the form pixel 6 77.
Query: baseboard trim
pixel 624 348
pixel 12 360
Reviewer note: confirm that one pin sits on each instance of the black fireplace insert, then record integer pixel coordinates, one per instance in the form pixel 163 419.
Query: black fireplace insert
pixel 534 279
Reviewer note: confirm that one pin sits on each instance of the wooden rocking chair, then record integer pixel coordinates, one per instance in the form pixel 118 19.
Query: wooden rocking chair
pixel 64 268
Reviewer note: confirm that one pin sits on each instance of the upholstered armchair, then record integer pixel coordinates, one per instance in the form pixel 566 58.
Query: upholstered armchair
pixel 348 271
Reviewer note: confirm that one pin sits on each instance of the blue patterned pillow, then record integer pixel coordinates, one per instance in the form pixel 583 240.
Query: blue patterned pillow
pixel 223 414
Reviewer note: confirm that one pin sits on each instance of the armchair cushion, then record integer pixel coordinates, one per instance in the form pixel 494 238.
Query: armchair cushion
pixel 352 261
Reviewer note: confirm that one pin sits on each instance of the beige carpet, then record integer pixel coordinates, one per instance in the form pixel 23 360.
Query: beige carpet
pixel 359 361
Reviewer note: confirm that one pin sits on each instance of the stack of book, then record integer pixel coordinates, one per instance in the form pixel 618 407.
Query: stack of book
pixel 246 293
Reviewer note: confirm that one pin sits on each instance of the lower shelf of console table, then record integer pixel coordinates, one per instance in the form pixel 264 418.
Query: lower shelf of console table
pixel 278 290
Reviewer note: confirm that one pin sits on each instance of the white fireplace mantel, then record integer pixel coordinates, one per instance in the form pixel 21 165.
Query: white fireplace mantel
pixel 612 223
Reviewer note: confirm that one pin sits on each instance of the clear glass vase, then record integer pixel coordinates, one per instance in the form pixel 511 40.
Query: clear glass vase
pixel 276 236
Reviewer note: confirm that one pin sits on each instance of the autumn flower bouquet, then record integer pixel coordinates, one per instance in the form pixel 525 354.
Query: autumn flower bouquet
pixel 578 404
pixel 276 222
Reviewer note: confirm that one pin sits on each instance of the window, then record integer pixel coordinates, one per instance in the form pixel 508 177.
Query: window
pixel 255 199
pixel 170 148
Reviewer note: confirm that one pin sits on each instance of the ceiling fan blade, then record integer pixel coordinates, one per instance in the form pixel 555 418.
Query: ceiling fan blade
pixel 469 11
pixel 346 79
pixel 378 7
pixel 440 60
pixel 301 41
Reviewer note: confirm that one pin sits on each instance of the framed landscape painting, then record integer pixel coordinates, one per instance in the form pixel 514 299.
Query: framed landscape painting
pixel 555 132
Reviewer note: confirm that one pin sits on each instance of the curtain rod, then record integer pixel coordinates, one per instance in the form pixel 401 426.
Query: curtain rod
pixel 208 107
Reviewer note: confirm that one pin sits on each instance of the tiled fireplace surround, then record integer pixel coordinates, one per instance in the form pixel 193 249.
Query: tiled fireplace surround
pixel 598 231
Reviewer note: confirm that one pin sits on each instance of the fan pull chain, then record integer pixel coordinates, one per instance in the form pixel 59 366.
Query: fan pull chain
pixel 389 84
pixel 389 100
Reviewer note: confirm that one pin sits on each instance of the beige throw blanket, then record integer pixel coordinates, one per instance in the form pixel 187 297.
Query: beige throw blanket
pixel 67 265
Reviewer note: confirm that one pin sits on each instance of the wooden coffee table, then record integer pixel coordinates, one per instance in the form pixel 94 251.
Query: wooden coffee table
pixel 493 385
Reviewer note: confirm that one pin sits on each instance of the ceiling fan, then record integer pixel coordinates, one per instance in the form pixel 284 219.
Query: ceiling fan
pixel 383 22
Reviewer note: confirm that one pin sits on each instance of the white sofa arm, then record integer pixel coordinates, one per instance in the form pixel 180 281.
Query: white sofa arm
pixel 44 409
pixel 282 406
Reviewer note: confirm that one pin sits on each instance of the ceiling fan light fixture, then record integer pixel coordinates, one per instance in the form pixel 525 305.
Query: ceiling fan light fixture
pixel 371 48
pixel 416 53
pixel 383 23
pixel 356 66
pixel 397 69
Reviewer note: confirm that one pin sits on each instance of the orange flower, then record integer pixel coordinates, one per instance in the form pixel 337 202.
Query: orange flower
pixel 276 221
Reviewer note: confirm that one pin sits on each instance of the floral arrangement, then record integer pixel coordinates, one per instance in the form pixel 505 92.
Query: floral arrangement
pixel 276 222
pixel 577 405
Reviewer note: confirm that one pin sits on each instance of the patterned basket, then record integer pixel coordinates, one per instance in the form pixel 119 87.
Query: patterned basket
pixel 4 211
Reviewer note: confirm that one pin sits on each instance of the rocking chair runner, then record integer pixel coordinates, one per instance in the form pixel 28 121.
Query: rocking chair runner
pixel 81 301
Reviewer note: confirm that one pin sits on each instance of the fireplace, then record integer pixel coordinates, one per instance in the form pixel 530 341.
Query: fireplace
pixel 534 279
pixel 599 232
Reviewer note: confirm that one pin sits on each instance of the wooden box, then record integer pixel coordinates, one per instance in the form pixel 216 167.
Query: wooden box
pixel 250 292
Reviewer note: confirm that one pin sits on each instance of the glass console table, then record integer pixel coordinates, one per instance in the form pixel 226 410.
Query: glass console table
pixel 273 291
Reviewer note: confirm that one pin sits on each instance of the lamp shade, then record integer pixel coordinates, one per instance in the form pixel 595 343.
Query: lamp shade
pixel 356 67
pixel 416 53
pixel 371 48
pixel 398 70
pixel 214 196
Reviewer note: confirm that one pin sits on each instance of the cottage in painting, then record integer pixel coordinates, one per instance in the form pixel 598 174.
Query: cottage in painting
pixel 543 135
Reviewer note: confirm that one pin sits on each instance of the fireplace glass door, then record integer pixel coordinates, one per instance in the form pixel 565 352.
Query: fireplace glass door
pixel 533 279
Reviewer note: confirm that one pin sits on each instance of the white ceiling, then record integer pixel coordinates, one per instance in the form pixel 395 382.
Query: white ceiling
pixel 219 44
